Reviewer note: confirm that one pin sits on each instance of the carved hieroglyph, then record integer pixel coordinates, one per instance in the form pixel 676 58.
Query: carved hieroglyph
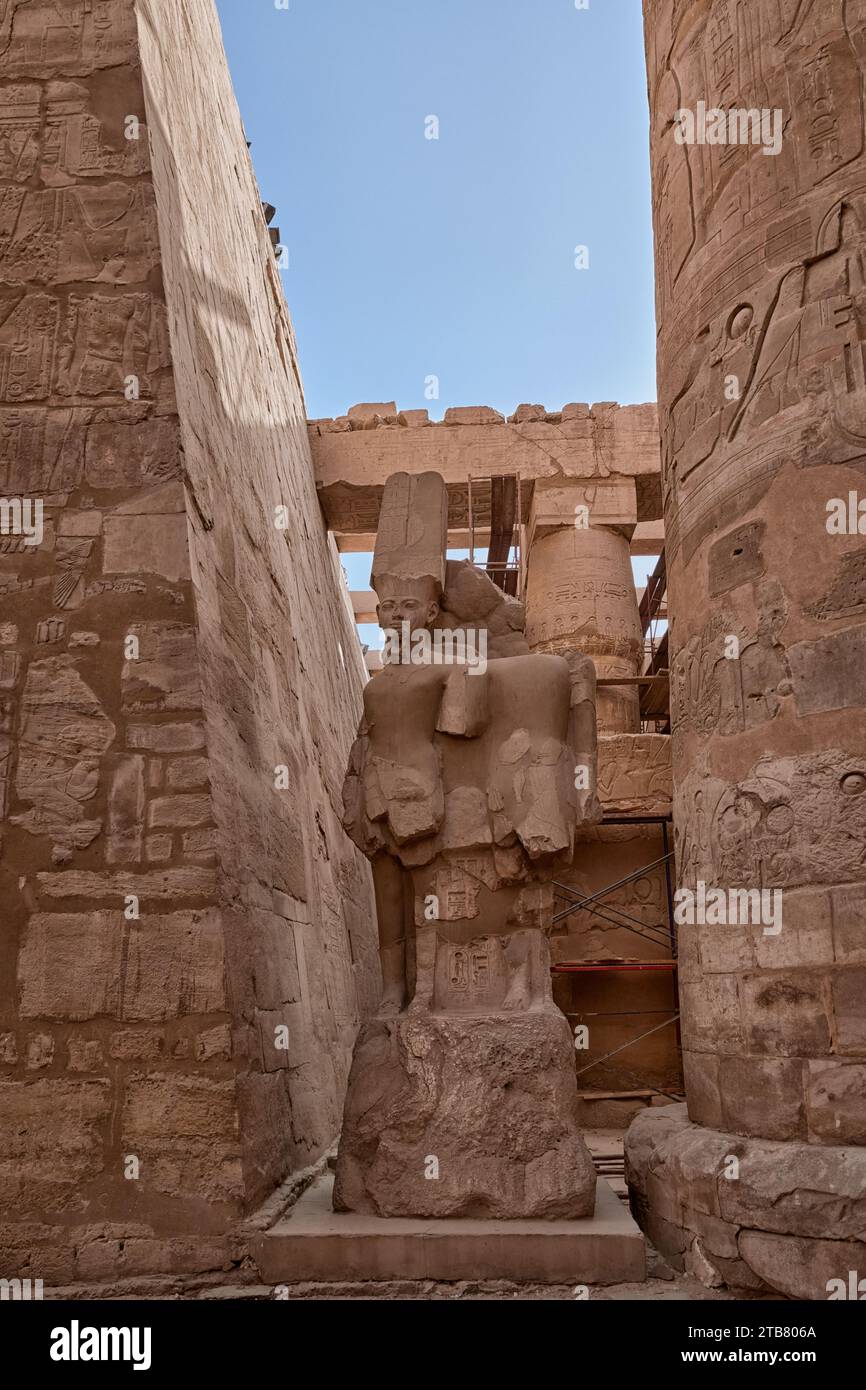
pixel 464 791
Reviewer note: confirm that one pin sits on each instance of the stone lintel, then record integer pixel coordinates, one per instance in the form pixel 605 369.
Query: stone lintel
pixel 353 456
pixel 648 539
pixel 364 603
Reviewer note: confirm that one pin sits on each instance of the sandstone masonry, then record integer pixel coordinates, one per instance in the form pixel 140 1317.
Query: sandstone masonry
pixel 186 944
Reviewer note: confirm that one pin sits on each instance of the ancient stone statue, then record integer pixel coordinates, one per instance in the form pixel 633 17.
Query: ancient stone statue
pixel 473 766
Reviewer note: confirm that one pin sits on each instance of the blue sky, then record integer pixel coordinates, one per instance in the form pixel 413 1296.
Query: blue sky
pixel 454 258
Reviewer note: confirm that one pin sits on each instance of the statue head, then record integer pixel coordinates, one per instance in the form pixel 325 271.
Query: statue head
pixel 408 600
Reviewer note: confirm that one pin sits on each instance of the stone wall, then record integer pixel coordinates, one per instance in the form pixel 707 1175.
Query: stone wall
pixel 188 936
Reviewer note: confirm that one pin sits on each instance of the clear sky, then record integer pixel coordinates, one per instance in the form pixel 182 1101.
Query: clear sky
pixel 412 258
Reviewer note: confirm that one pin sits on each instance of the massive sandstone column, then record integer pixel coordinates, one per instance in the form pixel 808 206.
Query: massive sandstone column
pixel 762 320
pixel 580 593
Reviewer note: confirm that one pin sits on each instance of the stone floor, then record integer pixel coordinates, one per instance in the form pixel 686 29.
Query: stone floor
pixel 669 1287
pixel 662 1284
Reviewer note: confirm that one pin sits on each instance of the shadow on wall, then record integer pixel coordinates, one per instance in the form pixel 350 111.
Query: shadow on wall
pixel 280 664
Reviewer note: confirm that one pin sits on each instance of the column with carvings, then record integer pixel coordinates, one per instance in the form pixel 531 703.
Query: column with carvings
pixel 580 593
pixel 761 303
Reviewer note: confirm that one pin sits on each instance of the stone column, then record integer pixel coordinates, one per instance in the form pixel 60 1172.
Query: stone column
pixel 580 589
pixel 762 316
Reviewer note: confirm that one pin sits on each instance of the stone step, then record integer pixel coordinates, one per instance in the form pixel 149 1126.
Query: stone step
pixel 313 1242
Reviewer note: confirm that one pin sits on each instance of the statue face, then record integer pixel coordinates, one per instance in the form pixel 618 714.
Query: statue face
pixel 418 610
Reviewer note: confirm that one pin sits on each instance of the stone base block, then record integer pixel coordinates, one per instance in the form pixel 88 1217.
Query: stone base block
pixel 316 1243
pixel 471 1115
pixel 749 1213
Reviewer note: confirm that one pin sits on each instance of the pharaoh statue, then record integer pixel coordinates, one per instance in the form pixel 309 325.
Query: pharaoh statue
pixel 474 764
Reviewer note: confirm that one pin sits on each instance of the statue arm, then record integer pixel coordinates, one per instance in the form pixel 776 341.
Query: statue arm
pixel 464 709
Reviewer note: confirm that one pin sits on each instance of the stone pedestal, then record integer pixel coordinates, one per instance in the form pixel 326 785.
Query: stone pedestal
pixel 315 1243
pixel 466 1103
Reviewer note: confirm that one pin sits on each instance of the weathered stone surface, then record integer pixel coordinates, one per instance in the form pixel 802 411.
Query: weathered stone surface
pixel 701 1077
pixel 798 1189
pixel 126 811
pixel 836 1101
pixel 580 597
pixel 165 676
pixel 132 849
pixel 184 774
pixel 314 1242
pixel 149 545
pixel 51 1142
pixel 473 415
pixel 849 1011
pixel 84 965
pixel 183 1128
pixel 579 505
pixel 745 1083
pixel 166 738
pixel 132 438
pixel 368 409
pixel 64 733
pixel 849 924
pixel 181 811
pixel 486 1102
pixel 690 1182
pixel 156 885
pixel 785 1013
pixel 803 1269
pixel 122 454
pixel 43 41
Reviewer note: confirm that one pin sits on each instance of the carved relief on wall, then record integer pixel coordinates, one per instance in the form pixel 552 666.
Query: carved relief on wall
pixel 762 309
pixel 727 678
pixel 794 821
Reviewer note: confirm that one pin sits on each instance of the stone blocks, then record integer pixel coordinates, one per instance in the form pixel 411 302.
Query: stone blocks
pixel 150 680
pixel 469 1116
pixel 746 1212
